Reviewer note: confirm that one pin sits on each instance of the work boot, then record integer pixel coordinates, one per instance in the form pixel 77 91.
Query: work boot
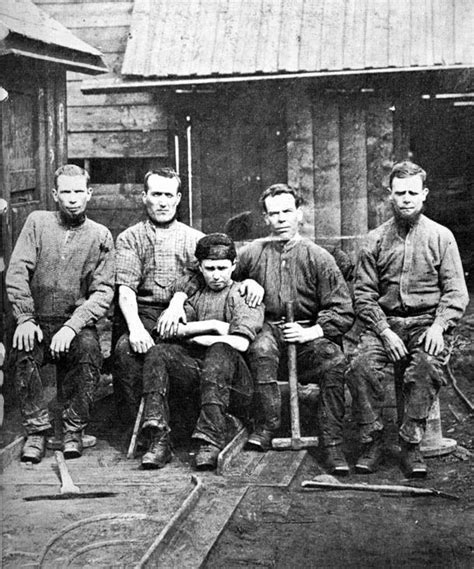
pixel 336 462
pixel 206 458
pixel 371 455
pixel 73 444
pixel 260 440
pixel 412 461
pixel 159 451
pixel 34 448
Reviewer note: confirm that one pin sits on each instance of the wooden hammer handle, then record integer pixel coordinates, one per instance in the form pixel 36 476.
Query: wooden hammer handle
pixel 293 378
pixel 67 485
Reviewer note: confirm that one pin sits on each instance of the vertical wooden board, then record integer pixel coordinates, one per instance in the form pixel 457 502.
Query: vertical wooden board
pixel 327 197
pixel 61 119
pixel 377 33
pixel 379 132
pixel 268 45
pixel 300 151
pixel 290 36
pixel 332 35
pixel 215 143
pixel 399 37
pixel 353 165
pixel 310 35
pixel 50 142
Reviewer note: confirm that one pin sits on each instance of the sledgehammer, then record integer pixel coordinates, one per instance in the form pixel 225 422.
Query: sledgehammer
pixel 296 442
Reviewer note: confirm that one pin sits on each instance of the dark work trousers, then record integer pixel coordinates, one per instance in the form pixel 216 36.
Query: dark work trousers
pixel 128 367
pixel 422 378
pixel 320 361
pixel 78 373
pixel 224 381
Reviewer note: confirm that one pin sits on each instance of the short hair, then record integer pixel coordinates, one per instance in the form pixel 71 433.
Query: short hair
pixel 215 246
pixel 278 189
pixel 164 173
pixel 70 170
pixel 406 169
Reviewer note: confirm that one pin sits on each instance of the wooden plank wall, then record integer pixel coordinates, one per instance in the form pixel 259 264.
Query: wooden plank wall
pixel 340 151
pixel 131 126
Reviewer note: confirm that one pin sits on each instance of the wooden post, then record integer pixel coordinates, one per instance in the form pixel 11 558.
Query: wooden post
pixel 300 151
pixel 353 174
pixel 327 197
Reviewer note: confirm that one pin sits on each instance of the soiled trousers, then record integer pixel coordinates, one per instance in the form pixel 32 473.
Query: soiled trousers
pixel 219 372
pixel 422 378
pixel 128 367
pixel 78 374
pixel 320 361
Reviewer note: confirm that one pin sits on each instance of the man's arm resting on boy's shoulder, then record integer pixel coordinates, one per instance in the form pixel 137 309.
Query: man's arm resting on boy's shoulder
pixel 139 338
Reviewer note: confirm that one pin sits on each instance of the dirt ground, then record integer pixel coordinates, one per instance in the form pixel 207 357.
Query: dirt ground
pixel 302 528
pixel 275 525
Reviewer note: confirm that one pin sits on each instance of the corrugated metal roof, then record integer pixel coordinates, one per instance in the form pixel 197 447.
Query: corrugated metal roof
pixel 23 18
pixel 204 38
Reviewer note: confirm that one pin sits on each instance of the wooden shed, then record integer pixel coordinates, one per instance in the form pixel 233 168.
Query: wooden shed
pixel 35 52
pixel 239 94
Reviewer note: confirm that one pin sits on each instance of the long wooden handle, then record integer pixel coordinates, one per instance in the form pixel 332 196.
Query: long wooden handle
pixel 293 378
pixel 67 485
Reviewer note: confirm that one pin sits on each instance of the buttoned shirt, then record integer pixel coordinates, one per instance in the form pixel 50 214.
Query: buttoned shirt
pixel 61 271
pixel 298 270
pixel 419 274
pixel 226 305
pixel 150 259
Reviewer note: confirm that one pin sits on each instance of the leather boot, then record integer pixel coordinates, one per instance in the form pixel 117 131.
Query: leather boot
pixel 159 451
pixel 412 461
pixel 371 455
pixel 73 445
pixel 34 448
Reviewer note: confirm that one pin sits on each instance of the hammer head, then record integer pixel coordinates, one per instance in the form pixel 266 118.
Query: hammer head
pixel 295 443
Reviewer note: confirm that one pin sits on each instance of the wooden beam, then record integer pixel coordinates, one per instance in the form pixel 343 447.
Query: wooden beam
pixel 327 197
pixel 353 166
pixel 117 118
pixel 76 98
pixel 118 144
pixel 379 128
pixel 300 151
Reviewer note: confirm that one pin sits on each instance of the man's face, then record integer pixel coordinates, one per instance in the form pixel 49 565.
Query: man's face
pixel 161 199
pixel 407 196
pixel 217 272
pixel 72 195
pixel 282 215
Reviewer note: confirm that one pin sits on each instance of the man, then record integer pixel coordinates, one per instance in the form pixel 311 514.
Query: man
pixel 220 326
pixel 151 257
pixel 409 292
pixel 60 281
pixel 292 268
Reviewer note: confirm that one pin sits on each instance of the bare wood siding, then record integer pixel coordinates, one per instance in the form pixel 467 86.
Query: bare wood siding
pixel 340 152
pixel 108 126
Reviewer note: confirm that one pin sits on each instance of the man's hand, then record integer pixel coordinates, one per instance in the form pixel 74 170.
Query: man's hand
pixel 24 336
pixel 140 340
pixel 393 345
pixel 61 341
pixel 434 341
pixel 252 291
pixel 169 320
pixel 294 333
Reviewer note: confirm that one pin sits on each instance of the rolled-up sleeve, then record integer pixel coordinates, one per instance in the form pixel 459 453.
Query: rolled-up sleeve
pixel 245 321
pixel 128 266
